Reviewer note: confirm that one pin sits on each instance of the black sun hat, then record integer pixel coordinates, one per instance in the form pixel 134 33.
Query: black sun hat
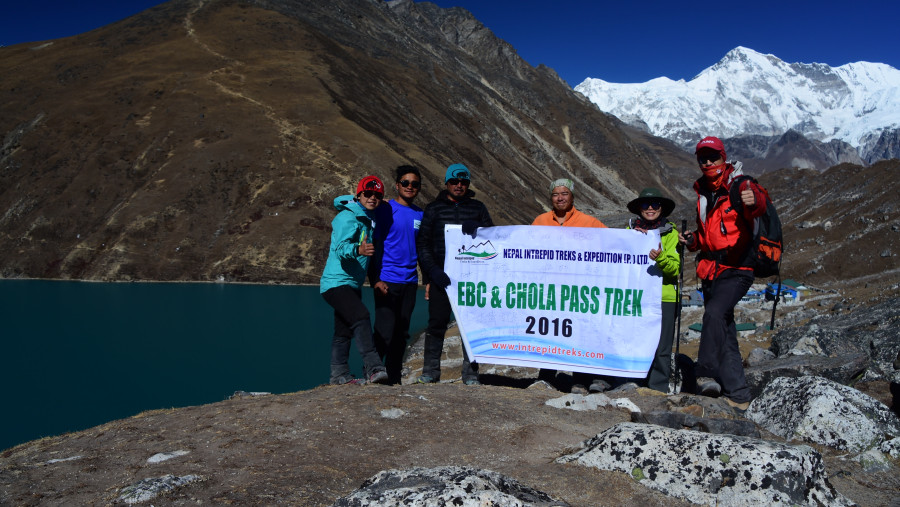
pixel 652 194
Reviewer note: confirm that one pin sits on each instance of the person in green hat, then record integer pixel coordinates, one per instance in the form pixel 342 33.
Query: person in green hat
pixel 652 210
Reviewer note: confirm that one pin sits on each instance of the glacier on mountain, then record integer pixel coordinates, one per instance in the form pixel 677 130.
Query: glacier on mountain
pixel 749 93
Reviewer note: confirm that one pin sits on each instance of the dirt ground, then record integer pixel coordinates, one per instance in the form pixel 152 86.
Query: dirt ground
pixel 312 447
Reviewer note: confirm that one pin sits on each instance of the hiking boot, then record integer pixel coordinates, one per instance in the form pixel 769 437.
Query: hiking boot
pixel 346 379
pixel 599 386
pixel 740 407
pixel 578 389
pixel 425 379
pixel 708 387
pixel 379 377
pixel 472 382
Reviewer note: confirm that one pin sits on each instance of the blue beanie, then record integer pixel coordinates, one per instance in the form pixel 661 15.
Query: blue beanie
pixel 457 171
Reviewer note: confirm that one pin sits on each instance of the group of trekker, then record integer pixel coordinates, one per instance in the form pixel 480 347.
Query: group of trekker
pixel 387 240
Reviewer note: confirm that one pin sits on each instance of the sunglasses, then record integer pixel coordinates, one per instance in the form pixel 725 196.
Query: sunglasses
pixel 708 157
pixel 651 204
pixel 370 193
pixel 456 181
pixel 415 184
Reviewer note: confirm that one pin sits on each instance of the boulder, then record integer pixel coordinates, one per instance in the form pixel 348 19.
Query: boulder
pixel 839 369
pixel 891 447
pixel 711 469
pixel 758 356
pixel 150 488
pixel 451 485
pixel 824 412
pixel 683 421
pixel 869 330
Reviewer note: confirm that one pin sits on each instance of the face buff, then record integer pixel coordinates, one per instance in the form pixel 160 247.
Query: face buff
pixel 714 175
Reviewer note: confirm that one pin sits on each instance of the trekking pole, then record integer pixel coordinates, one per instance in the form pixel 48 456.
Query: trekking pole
pixel 676 374
pixel 680 251
pixel 775 303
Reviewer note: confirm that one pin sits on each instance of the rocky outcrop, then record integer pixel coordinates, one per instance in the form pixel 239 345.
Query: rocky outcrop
pixel 859 346
pixel 151 488
pixel 870 332
pixel 823 412
pixel 711 469
pixel 838 369
pixel 462 486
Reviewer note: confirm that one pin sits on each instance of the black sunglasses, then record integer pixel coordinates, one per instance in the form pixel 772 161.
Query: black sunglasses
pixel 708 156
pixel 415 184
pixel 456 181
pixel 651 204
pixel 370 193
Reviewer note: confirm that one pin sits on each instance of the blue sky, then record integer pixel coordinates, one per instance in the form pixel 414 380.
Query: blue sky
pixel 617 41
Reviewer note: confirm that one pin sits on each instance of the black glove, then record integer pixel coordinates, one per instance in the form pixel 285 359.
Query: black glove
pixel 439 278
pixel 470 227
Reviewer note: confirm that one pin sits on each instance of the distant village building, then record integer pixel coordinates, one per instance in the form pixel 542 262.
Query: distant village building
pixel 791 292
pixel 694 298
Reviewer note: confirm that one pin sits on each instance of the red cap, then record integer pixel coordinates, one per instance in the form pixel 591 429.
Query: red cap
pixel 370 183
pixel 713 143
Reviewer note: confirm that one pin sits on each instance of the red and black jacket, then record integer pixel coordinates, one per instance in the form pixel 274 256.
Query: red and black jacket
pixel 724 231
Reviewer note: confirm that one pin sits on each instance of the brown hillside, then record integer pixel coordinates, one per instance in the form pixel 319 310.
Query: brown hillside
pixel 207 140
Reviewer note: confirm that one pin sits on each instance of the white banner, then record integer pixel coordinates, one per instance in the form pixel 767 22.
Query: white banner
pixel 564 298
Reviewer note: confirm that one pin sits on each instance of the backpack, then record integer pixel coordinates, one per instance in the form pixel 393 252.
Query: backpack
pixel 767 245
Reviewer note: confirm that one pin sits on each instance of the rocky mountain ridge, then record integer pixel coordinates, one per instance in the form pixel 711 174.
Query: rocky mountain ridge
pixel 205 140
pixel 844 114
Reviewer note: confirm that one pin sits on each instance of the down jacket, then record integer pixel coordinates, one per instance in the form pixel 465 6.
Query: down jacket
pixel 442 211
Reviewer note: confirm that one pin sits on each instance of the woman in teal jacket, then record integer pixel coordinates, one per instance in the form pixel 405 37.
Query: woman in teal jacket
pixel 652 209
pixel 342 279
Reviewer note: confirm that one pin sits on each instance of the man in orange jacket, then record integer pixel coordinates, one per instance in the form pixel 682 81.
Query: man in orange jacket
pixel 563 213
pixel 562 199
pixel 723 236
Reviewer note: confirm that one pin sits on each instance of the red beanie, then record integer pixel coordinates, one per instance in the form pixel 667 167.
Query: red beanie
pixel 713 143
pixel 370 183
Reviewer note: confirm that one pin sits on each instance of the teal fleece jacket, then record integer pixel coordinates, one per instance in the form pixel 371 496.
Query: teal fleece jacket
pixel 352 225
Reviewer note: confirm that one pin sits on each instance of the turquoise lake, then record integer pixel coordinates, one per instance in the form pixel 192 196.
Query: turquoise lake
pixel 78 354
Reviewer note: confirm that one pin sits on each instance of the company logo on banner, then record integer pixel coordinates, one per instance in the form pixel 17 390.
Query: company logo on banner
pixel 481 251
pixel 565 298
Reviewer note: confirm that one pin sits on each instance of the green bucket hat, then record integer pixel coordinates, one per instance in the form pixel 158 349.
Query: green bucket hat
pixel 652 194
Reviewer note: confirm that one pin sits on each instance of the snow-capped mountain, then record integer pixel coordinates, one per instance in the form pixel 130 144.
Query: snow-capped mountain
pixel 752 94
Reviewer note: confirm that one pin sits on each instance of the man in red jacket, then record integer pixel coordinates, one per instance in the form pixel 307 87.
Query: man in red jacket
pixel 723 236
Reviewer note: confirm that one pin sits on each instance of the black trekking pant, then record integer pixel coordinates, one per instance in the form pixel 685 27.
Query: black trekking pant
pixel 351 320
pixel 661 368
pixel 392 315
pixel 439 311
pixel 719 356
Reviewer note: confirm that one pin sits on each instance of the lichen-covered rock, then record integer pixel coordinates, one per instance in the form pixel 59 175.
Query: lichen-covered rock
pixel 581 401
pixel 591 402
pixel 891 447
pixel 148 489
pixel 824 412
pixel 873 461
pixel 711 469
pixel 451 485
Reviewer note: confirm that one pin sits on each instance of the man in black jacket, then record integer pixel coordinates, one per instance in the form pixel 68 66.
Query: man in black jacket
pixel 455 205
